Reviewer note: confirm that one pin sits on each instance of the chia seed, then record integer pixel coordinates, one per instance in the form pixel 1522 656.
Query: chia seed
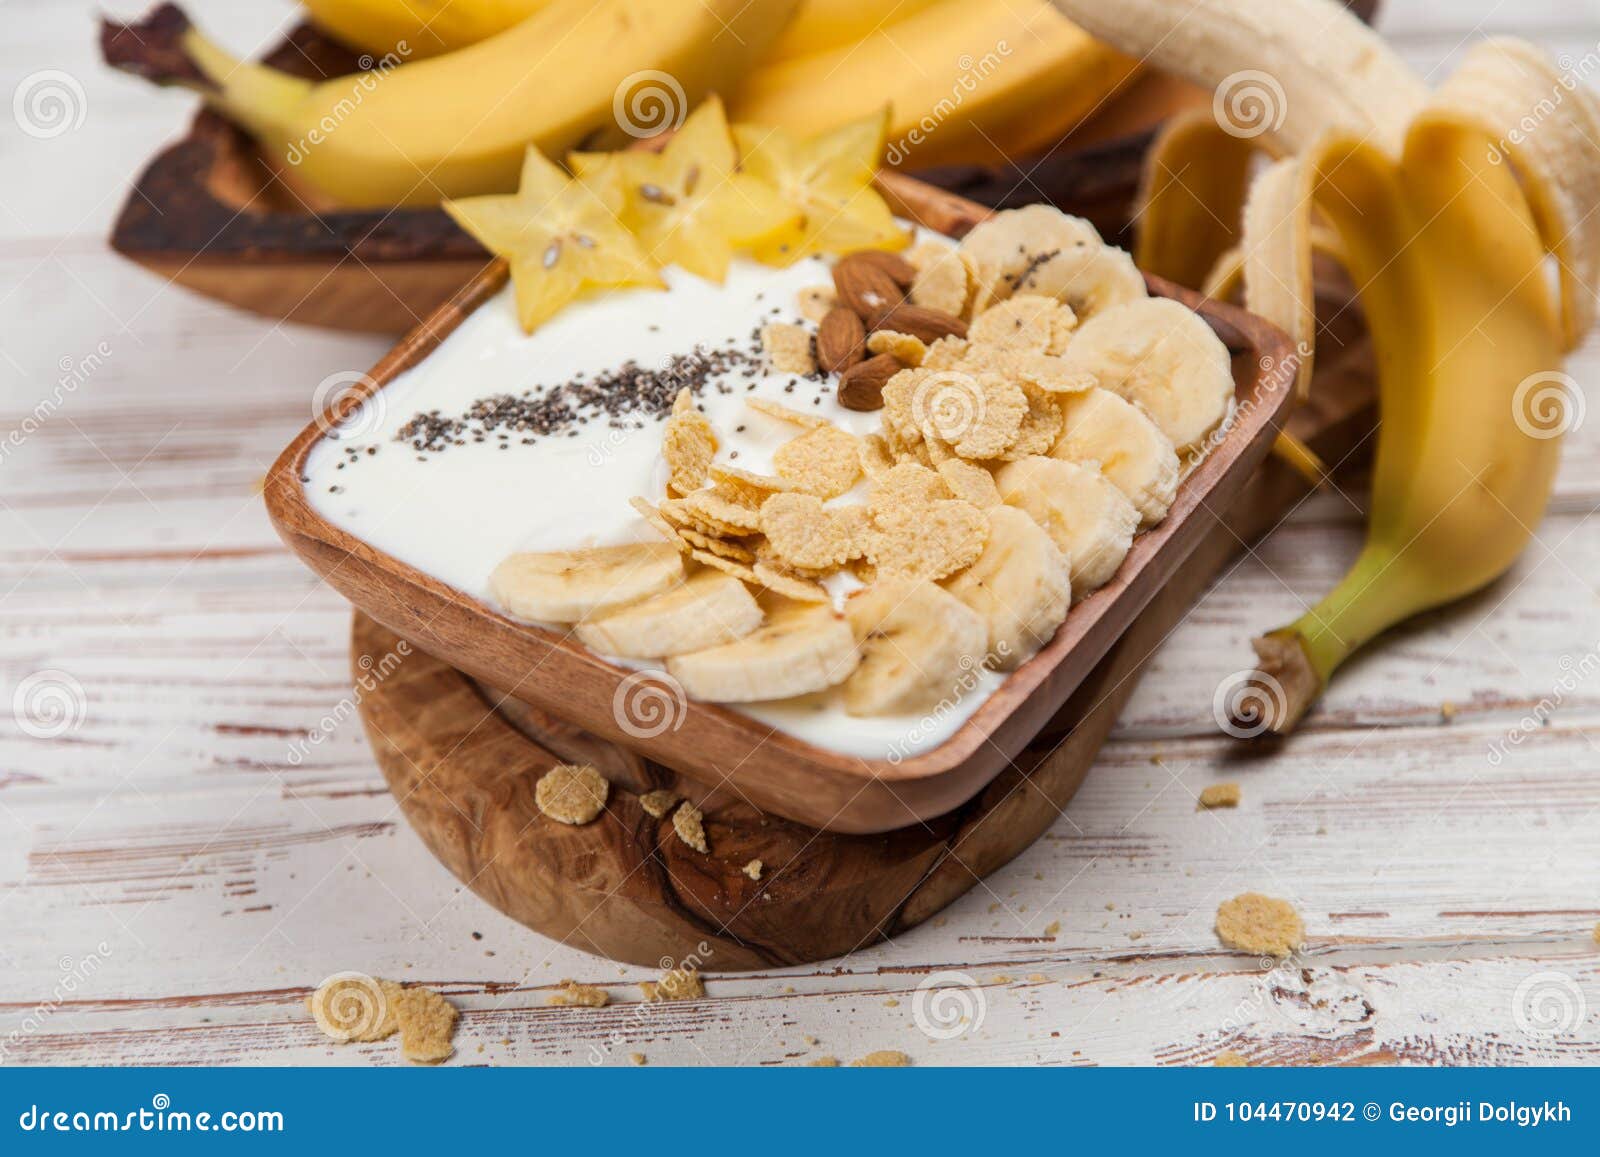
pixel 630 391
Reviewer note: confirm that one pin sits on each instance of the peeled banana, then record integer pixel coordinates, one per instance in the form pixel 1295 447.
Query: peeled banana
pixel 710 608
pixel 1110 432
pixel 1161 355
pixel 917 640
pixel 1021 586
pixel 1444 207
pixel 570 585
pixel 797 652
pixel 1083 512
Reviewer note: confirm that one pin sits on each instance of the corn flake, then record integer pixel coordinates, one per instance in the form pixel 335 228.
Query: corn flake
pixel 904 347
pixel 688 443
pixel 678 984
pixel 351 1006
pixel 978 414
pixel 876 457
pixel 931 543
pixel 1041 425
pixel 942 280
pixel 427 1021
pixel 970 483
pixel 789 348
pixel 571 994
pixel 1260 925
pixel 711 513
pixel 803 534
pixel 906 486
pixel 1028 321
pixel 789 585
pixel 743 486
pixel 825 462
pixel 689 822
pixel 571 793
pixel 658 803
pixel 815 301
pixel 785 414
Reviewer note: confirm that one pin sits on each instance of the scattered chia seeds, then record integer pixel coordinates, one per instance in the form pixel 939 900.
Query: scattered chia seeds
pixel 624 396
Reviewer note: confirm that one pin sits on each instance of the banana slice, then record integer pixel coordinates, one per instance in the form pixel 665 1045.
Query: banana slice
pixel 1021 586
pixel 1039 249
pixel 1101 427
pixel 709 609
pixel 1163 357
pixel 1079 508
pixel 564 586
pixel 797 652
pixel 917 640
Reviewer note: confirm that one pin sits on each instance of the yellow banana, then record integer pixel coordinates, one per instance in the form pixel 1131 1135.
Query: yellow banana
pixel 1445 251
pixel 1444 207
pixel 821 25
pixel 419 28
pixel 985 72
pixel 414 29
pixel 589 72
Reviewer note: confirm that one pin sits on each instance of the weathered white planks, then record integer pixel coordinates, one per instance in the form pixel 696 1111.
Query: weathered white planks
pixel 170 841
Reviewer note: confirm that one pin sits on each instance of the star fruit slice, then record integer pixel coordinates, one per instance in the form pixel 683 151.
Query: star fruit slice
pixel 561 237
pixel 828 178
pixel 687 204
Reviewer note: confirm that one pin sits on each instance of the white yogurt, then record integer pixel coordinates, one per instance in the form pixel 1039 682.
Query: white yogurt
pixel 455 514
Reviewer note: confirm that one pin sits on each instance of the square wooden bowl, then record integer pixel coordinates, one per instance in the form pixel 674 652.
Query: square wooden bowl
pixel 716 745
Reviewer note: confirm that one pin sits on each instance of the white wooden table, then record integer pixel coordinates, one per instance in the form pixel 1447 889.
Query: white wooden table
pixel 171 884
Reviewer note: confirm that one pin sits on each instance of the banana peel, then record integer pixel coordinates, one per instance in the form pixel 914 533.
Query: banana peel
pixel 1445 250
pixel 1442 208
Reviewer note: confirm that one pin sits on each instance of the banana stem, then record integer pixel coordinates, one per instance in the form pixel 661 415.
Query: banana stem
pixel 1294 663
pixel 166 49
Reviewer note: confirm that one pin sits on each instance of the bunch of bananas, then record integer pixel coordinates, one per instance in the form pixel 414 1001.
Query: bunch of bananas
pixel 1444 208
pixel 456 89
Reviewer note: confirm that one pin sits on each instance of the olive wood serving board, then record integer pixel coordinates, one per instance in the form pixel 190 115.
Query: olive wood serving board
pixel 462 761
pixel 775 771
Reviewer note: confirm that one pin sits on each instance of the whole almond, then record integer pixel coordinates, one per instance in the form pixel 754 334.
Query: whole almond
pixel 900 271
pixel 864 288
pixel 841 340
pixel 861 386
pixel 918 320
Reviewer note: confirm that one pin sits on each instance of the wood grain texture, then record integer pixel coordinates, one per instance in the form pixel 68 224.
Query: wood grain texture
pixel 226 878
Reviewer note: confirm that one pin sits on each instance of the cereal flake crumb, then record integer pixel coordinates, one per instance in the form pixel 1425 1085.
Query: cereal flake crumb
pixel 788 347
pixel 352 1006
pixel 678 984
pixel 427 1021
pixel 689 822
pixel 638 1058
pixel 882 1059
pixel 753 869
pixel 1220 795
pixel 1260 924
pixel 825 1063
pixel 658 803
pixel 1228 1059
pixel 571 994
pixel 572 793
